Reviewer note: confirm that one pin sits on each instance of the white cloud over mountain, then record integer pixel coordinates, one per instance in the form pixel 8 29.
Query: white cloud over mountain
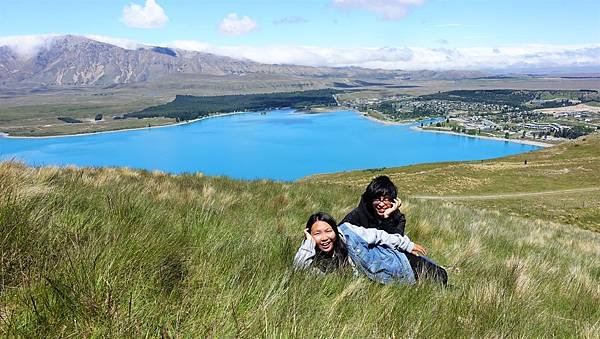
pixel 415 58
pixel 387 9
pixel 506 59
pixel 151 15
pixel 123 43
pixel 27 45
pixel 233 24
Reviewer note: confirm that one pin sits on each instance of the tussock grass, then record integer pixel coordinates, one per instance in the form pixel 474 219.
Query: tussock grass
pixel 570 165
pixel 116 252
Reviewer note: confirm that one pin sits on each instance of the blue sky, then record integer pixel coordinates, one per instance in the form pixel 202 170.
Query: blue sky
pixel 401 30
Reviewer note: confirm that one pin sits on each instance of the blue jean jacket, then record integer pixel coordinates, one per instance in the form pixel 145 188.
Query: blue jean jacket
pixel 379 262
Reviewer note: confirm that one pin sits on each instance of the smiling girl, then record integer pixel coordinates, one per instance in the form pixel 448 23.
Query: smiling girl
pixel 373 252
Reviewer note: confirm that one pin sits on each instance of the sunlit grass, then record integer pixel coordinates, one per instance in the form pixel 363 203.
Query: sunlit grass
pixel 118 252
pixel 571 165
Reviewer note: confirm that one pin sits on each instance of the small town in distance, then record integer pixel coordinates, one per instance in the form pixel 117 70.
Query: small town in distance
pixel 544 115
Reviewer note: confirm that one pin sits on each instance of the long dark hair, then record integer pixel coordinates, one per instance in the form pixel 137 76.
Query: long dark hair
pixel 324 261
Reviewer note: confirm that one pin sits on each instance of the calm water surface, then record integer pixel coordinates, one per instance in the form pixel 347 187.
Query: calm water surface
pixel 282 145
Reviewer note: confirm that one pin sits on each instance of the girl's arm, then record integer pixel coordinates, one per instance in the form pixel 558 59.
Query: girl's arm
pixel 377 237
pixel 306 254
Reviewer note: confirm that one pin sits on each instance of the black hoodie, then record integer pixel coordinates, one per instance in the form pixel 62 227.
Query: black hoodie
pixel 365 216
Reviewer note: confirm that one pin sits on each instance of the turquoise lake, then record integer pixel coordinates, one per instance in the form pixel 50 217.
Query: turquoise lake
pixel 282 145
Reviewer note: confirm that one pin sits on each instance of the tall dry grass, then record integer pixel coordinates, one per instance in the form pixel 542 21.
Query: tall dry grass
pixel 116 252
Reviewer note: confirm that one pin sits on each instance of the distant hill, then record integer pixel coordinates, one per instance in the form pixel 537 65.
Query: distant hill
pixel 78 61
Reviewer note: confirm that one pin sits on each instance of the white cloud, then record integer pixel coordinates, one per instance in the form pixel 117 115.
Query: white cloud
pixel 190 45
pixel 413 58
pixel 120 42
pixel 27 45
pixel 517 58
pixel 387 9
pixel 232 24
pixel 149 16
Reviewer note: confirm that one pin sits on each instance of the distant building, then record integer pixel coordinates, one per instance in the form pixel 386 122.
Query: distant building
pixel 549 127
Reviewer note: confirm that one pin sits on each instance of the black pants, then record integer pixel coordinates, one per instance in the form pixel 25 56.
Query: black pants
pixel 427 269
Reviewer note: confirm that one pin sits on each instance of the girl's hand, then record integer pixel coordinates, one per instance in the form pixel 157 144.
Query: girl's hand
pixel 309 237
pixel 418 250
pixel 395 205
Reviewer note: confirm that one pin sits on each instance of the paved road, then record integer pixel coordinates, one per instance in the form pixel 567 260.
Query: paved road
pixel 504 196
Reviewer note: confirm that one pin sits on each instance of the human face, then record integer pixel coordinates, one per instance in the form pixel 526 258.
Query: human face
pixel 324 236
pixel 381 204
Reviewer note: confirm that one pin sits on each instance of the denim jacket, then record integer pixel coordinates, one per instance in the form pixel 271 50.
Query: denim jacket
pixel 372 252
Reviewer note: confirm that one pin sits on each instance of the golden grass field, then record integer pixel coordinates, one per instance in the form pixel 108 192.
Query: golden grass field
pixel 570 165
pixel 114 252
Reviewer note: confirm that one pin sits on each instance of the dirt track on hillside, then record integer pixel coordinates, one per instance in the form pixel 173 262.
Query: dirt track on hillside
pixel 505 196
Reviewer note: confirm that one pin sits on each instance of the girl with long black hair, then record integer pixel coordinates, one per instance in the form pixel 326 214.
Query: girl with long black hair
pixel 373 252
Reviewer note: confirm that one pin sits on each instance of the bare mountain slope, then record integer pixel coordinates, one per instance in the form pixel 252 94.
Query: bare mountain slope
pixel 75 61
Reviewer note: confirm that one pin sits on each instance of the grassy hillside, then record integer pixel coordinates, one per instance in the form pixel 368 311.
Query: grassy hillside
pixel 564 180
pixel 116 252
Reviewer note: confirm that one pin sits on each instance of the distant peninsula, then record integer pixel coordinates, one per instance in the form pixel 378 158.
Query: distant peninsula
pixel 189 107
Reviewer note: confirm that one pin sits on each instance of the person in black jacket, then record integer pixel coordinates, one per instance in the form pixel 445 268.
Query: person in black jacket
pixel 379 208
pixel 376 208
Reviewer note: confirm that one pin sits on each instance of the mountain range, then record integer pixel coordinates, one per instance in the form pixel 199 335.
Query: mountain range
pixel 79 61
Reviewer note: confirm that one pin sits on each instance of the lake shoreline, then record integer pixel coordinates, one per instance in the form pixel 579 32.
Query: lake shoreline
pixel 279 139
pixel 420 129
pixel 362 114
pixel 525 142
pixel 8 136
pixel 384 122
